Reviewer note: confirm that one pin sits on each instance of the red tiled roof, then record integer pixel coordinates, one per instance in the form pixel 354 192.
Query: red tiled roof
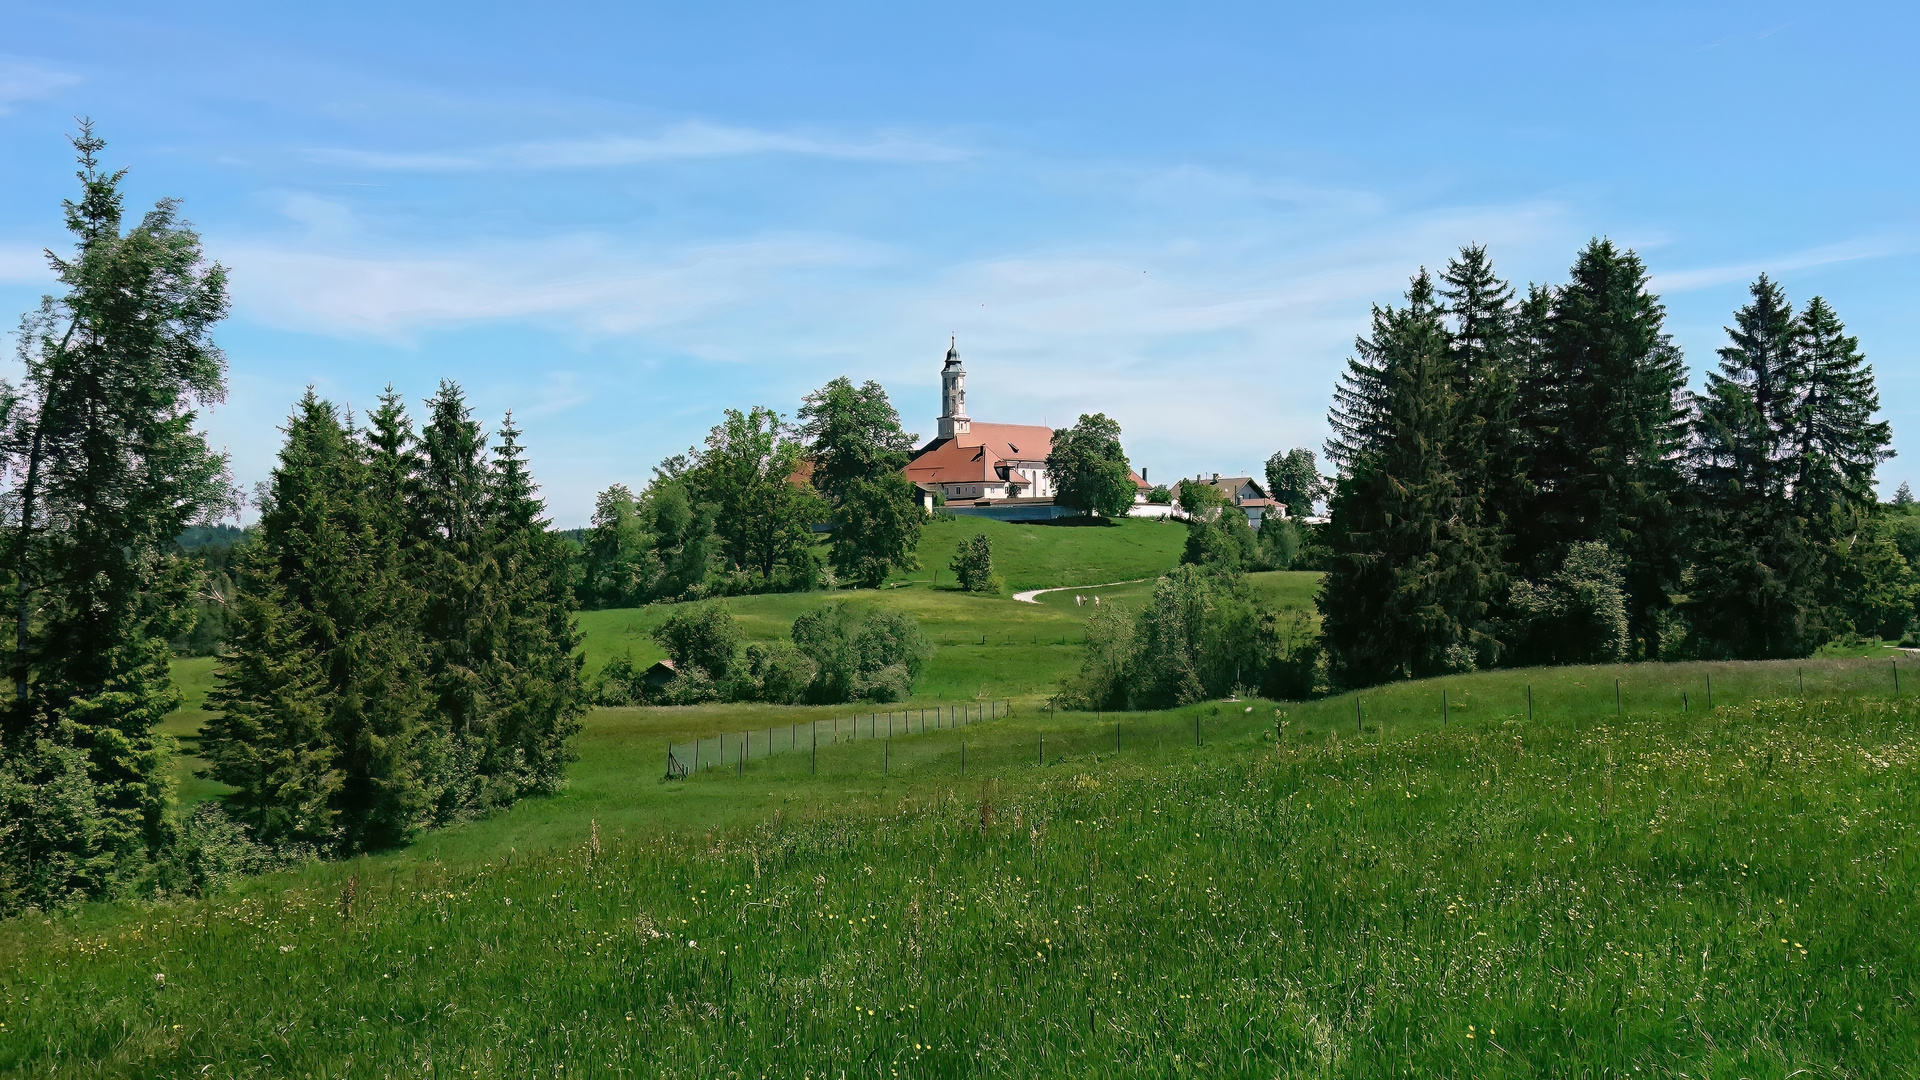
pixel 949 462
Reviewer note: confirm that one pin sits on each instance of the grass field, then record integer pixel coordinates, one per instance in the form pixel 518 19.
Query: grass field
pixel 1703 893
pixel 1070 551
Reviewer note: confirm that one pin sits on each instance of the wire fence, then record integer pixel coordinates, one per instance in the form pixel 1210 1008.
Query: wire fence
pixel 735 749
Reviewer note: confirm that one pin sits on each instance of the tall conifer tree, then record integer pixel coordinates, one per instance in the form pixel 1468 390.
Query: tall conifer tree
pixel 108 470
pixel 1412 571
pixel 1611 431
pixel 1753 592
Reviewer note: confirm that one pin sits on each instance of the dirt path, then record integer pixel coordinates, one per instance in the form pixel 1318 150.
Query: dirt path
pixel 1028 597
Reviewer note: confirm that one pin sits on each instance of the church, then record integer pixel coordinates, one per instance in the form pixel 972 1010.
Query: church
pixel 973 462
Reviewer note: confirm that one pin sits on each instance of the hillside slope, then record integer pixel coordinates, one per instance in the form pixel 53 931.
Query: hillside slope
pixel 1699 893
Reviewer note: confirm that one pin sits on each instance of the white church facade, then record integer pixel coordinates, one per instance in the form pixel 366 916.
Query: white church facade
pixel 969 461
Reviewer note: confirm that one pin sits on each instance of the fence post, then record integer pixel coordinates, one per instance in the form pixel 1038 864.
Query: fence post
pixel 696 753
pixel 1685 705
pixel 1443 711
pixel 1896 676
pixel 1357 730
pixel 1801 674
pixel 1709 691
pixel 1529 703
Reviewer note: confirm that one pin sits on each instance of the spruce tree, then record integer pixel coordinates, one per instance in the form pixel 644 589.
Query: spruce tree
pixel 1834 449
pixel 1607 464
pixel 1411 572
pixel 1753 592
pixel 108 469
pixel 534 669
pixel 325 585
pixel 460 602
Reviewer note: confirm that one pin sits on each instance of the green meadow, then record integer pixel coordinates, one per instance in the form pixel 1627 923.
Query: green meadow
pixel 1591 870
pixel 1241 888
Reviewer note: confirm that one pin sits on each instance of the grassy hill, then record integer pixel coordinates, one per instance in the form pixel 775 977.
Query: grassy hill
pixel 1724 892
pixel 1070 551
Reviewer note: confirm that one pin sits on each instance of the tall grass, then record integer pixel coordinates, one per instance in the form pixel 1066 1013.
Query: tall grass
pixel 1725 893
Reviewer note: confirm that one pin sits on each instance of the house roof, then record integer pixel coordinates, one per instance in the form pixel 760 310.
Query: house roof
pixel 1231 485
pixel 1022 442
pixel 1139 481
pixel 977 456
pixel 949 462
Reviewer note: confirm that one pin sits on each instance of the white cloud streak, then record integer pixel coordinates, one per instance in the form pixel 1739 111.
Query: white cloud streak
pixel 692 139
pixel 1879 247
pixel 22 80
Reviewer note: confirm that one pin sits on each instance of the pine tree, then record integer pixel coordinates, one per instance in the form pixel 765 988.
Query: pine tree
pixel 325 586
pixel 535 670
pixel 1611 431
pixel 109 471
pixel 1753 592
pixel 1834 450
pixel 1411 573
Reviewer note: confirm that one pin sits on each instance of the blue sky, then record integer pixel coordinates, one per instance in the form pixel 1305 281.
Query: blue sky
pixel 618 220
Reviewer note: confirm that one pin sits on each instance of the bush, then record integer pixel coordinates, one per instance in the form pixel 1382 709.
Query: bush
pixel 849 659
pixel 972 565
pixel 619 684
pixel 690 686
pixel 212 850
pixel 702 636
pixel 1202 635
pixel 890 683
pixel 1578 615
pixel 774 672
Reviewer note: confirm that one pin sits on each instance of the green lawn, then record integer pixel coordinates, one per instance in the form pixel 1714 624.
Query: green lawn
pixel 1725 892
pixel 1070 551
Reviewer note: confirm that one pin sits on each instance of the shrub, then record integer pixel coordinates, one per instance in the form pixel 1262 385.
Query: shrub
pixel 1201 635
pixel 618 683
pixel 774 672
pixel 849 659
pixel 1578 615
pixel 973 565
pixel 702 636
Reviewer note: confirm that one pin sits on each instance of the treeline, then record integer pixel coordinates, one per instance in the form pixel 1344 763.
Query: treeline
pixel 402 652
pixel 1526 479
pixel 399 644
pixel 740 514
pixel 832 657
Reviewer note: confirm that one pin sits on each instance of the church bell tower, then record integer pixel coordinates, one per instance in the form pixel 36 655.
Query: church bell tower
pixel 953 395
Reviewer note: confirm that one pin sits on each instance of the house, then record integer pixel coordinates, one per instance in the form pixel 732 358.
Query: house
pixel 1000 469
pixel 1246 493
pixel 659 675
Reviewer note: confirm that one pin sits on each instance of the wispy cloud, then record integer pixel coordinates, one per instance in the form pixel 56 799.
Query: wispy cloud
pixel 586 283
pixel 692 139
pixel 24 80
pixel 1878 247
